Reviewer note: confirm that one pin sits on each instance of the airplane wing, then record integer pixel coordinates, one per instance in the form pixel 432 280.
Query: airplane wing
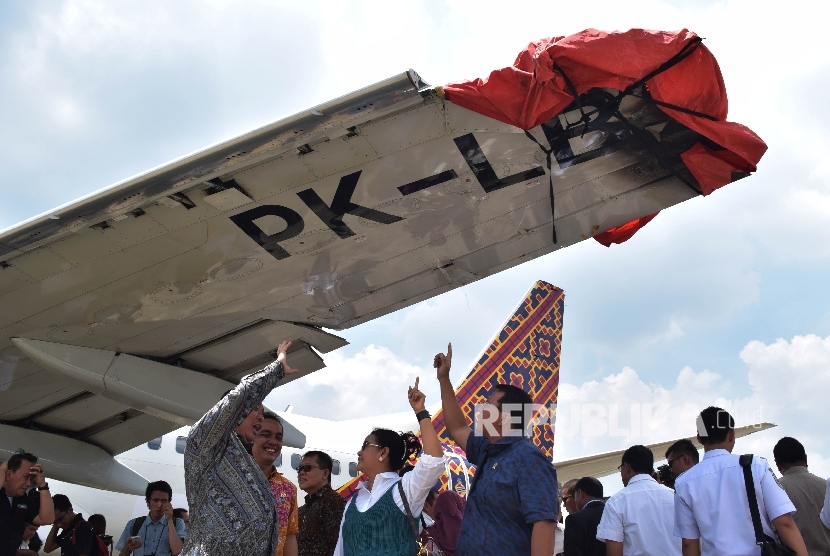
pixel 129 312
pixel 600 465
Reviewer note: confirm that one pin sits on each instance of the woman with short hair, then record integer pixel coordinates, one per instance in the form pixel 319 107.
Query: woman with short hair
pixel 376 521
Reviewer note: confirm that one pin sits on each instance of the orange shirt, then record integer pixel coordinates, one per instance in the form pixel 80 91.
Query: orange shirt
pixel 285 500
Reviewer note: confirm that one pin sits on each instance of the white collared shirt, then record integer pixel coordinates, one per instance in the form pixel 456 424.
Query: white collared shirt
pixel 641 516
pixel 712 504
pixel 416 485
pixel 825 511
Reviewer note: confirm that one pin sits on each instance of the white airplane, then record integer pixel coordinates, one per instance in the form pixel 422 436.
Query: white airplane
pixel 126 314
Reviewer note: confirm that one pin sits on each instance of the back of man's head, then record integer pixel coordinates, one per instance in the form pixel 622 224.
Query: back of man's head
pixel 590 486
pixel 18 458
pixel 158 486
pixel 514 396
pixel 98 523
pixel 61 503
pixel 788 452
pixel 713 425
pixel 683 446
pixel 640 458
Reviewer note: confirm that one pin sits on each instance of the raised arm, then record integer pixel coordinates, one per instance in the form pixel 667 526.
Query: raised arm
pixel 213 430
pixel 46 515
pixel 418 482
pixel 454 419
pixel 51 542
pixel 429 438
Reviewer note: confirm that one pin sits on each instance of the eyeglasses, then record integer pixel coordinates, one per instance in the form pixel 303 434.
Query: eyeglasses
pixel 365 444
pixel 671 461
pixel 307 468
pixel 566 498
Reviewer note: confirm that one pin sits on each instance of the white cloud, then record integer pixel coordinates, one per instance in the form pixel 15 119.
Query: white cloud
pixel 789 382
pixel 372 382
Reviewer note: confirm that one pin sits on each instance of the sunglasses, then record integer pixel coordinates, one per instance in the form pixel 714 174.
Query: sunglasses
pixel 307 468
pixel 367 444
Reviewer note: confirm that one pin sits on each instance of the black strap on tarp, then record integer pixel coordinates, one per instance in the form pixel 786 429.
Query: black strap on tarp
pixel 613 103
pixel 548 154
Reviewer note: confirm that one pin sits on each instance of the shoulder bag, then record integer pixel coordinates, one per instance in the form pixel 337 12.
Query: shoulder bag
pixel 769 546
pixel 422 546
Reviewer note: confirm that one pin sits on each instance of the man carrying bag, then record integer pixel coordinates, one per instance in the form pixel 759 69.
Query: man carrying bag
pixel 711 498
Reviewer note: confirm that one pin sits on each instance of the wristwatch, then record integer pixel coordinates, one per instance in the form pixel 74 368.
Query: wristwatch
pixel 44 487
pixel 423 414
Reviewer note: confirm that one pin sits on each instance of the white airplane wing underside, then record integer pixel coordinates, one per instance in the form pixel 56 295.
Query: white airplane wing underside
pixel 125 314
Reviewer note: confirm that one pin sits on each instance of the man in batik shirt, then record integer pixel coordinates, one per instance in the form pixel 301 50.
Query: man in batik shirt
pixel 231 505
pixel 322 512
pixel 267 448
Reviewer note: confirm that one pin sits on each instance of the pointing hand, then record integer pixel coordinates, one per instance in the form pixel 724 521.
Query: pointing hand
pixel 443 363
pixel 416 397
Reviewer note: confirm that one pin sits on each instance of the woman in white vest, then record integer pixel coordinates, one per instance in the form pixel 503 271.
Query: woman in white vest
pixel 376 521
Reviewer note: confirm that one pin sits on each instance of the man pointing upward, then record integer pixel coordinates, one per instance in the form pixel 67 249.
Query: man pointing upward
pixel 231 505
pixel 512 504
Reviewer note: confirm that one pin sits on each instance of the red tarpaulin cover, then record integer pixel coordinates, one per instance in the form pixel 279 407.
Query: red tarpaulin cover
pixel 532 92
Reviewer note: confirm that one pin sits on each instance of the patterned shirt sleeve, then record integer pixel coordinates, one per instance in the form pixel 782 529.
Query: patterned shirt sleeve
pixel 333 516
pixel 208 436
pixel 293 519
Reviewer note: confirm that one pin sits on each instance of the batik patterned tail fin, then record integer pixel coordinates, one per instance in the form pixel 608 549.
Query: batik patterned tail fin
pixel 525 353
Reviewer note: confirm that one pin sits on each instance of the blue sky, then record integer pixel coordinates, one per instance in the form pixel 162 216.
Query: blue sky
pixel 94 92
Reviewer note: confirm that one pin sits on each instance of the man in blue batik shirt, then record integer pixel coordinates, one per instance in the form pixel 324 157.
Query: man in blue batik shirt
pixel 512 504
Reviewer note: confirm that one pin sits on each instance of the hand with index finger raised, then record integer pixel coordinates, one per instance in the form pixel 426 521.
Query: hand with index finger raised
pixel 443 363
pixel 416 397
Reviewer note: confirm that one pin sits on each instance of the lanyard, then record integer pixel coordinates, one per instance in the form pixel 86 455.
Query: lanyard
pixel 158 539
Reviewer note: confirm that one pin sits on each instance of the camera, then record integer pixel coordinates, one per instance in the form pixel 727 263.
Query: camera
pixel 666 475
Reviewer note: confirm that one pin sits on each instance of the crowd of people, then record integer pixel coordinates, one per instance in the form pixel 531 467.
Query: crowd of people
pixel 720 504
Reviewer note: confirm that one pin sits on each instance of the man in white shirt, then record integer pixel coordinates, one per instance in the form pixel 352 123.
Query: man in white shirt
pixel 711 506
pixel 638 520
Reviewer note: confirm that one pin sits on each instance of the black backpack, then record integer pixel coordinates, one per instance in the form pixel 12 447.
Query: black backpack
pixel 98 546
